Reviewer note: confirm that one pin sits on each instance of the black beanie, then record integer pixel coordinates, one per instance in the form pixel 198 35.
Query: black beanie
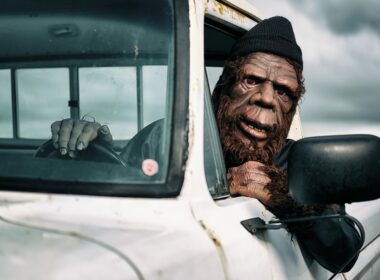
pixel 273 35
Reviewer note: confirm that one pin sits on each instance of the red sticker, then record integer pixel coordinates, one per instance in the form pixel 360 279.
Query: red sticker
pixel 149 167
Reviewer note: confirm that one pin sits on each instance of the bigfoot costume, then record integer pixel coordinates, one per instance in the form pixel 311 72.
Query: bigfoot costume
pixel 255 100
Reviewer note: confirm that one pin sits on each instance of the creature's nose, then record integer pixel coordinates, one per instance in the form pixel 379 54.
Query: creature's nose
pixel 265 96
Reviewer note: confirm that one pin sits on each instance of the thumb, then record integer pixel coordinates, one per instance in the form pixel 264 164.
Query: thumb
pixel 105 136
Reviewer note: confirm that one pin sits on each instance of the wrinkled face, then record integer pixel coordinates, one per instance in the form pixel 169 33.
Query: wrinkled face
pixel 262 96
pixel 255 116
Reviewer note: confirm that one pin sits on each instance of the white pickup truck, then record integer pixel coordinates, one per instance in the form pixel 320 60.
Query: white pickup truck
pixel 128 63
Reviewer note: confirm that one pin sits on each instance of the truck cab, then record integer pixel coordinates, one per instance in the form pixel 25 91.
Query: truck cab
pixel 128 64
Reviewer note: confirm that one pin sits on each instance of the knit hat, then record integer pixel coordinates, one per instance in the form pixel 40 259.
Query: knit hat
pixel 273 35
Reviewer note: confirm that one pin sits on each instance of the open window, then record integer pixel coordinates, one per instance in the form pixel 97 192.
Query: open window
pixel 218 40
pixel 215 169
pixel 219 37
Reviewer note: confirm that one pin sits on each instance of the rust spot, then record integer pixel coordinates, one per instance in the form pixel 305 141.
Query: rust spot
pixel 221 8
pixel 224 10
pixel 211 234
pixel 218 246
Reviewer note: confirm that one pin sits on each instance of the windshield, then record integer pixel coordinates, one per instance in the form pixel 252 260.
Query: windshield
pixel 107 61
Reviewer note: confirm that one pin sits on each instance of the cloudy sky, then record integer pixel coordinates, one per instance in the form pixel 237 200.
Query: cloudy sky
pixel 341 47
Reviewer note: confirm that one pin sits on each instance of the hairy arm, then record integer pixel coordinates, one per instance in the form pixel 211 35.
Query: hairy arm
pixel 331 242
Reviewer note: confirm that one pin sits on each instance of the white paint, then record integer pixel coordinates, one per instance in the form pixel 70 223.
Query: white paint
pixel 188 237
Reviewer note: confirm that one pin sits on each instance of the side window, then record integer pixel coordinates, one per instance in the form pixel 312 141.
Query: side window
pixel 42 97
pixel 154 79
pixel 215 169
pixel 218 40
pixel 213 74
pixel 136 96
pixel 37 97
pixel 113 88
pixel 6 128
pixel 126 98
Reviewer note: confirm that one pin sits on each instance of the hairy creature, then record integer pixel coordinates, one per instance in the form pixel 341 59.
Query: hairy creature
pixel 236 152
pixel 255 101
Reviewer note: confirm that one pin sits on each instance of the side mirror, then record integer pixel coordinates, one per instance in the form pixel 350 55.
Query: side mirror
pixel 335 169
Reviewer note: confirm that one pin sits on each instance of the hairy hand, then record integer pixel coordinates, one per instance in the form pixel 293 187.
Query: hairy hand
pixel 249 179
pixel 71 136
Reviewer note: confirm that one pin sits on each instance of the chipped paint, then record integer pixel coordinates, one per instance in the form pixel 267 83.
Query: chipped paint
pixel 192 6
pixel 211 234
pixel 136 49
pixel 194 87
pixel 243 7
pixel 227 13
pixel 195 119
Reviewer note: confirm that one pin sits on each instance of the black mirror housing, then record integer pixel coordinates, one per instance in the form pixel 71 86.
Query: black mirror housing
pixel 335 169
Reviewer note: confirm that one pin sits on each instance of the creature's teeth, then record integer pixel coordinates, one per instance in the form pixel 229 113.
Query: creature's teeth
pixel 255 128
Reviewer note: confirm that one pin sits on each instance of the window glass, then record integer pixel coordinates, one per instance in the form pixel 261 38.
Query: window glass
pixel 215 169
pixel 42 97
pixel 213 74
pixel 110 61
pixel 154 92
pixel 108 94
pixel 6 130
pixel 217 47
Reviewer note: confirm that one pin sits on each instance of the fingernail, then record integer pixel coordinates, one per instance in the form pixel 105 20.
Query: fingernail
pixel 104 129
pixel 72 154
pixel 63 151
pixel 80 146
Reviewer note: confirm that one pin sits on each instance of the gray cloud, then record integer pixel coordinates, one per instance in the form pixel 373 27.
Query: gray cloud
pixel 342 16
pixel 329 102
pixel 341 46
pixel 337 92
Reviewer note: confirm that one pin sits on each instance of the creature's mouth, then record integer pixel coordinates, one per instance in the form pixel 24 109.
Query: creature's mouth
pixel 254 129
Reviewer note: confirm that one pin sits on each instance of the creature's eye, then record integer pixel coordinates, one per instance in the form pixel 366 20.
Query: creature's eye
pixel 284 93
pixel 251 80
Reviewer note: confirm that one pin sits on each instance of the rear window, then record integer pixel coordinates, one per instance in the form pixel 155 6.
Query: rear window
pixel 107 61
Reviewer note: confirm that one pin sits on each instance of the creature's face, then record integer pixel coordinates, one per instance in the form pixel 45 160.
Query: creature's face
pixel 254 117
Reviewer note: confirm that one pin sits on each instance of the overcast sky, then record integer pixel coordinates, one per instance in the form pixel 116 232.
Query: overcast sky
pixel 340 41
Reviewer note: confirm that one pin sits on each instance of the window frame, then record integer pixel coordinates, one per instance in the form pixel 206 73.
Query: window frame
pixel 178 125
pixel 213 154
pixel 218 187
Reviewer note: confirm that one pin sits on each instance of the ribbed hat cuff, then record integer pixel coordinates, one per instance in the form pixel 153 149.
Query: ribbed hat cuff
pixel 277 45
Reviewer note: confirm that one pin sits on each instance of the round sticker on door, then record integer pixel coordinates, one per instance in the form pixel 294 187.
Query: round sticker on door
pixel 149 167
